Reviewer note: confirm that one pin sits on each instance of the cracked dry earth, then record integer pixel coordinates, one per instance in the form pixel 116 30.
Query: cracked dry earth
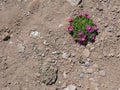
pixel 37 52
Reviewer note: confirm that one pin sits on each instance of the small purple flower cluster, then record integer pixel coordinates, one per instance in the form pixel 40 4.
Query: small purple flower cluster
pixel 83 36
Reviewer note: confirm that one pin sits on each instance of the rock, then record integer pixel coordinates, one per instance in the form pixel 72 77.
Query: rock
pixel 34 34
pixel 70 87
pixel 118 88
pixel 81 75
pixel 60 25
pixel 89 71
pixel 65 55
pixel 5 37
pixel 64 75
pixel 86 52
pixel 74 2
pixel 21 48
pixel 45 43
pixel 109 28
pixel 87 63
pixel 102 73
pixel 48 74
pixel 118 34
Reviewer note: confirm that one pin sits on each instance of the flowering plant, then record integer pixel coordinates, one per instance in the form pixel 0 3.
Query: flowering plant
pixel 82 28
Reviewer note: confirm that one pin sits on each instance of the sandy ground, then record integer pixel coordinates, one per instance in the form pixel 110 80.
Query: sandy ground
pixel 37 52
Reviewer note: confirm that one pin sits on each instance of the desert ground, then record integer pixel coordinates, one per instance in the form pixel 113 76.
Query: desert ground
pixel 38 53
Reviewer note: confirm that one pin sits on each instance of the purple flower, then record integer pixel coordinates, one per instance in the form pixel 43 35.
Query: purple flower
pixel 70 19
pixel 89 29
pixel 83 37
pixel 80 14
pixel 87 15
pixel 95 27
pixel 79 33
pixel 93 38
pixel 70 28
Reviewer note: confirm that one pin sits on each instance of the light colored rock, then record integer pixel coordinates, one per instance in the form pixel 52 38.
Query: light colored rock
pixel 34 34
pixel 118 34
pixel 74 2
pixel 86 53
pixel 81 75
pixel 65 55
pixel 102 73
pixel 21 48
pixel 89 71
pixel 60 25
pixel 70 87
pixel 87 63
pixel 64 75
pixel 45 43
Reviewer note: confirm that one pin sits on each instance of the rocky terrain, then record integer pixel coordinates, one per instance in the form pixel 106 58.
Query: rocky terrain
pixel 37 52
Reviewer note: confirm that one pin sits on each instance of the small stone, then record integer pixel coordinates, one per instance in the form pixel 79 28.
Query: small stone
pixel 65 55
pixel 63 85
pixel 43 55
pixel 109 28
pixel 55 52
pixel 46 43
pixel 87 63
pixel 61 25
pixel 34 34
pixel 118 34
pixel 74 2
pixel 21 48
pixel 64 75
pixel 86 52
pixel 89 71
pixel 102 73
pixel 81 75
pixel 70 87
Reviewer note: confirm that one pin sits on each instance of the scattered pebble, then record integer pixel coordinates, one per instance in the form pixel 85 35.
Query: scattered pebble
pixel 109 29
pixel 64 75
pixel 89 71
pixel 118 34
pixel 86 52
pixel 45 43
pixel 81 75
pixel 65 55
pixel 34 34
pixel 87 63
pixel 61 25
pixel 102 73
pixel 74 2
pixel 70 87
pixel 21 48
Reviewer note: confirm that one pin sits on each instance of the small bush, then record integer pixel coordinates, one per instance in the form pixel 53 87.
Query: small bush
pixel 82 28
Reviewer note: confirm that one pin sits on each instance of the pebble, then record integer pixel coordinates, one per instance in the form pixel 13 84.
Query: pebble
pixel 45 43
pixel 74 2
pixel 21 48
pixel 34 34
pixel 118 34
pixel 61 25
pixel 70 87
pixel 64 75
pixel 89 71
pixel 81 75
pixel 65 55
pixel 102 73
pixel 109 29
pixel 86 52
pixel 87 63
